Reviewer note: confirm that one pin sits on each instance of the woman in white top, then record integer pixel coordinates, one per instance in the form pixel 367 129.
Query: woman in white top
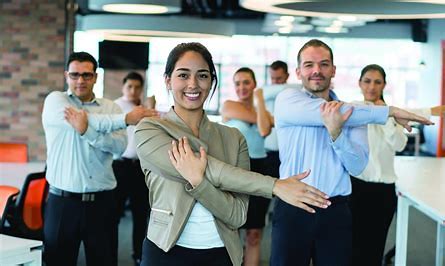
pixel 373 198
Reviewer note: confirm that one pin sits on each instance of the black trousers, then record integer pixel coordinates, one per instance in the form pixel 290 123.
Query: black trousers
pixel 131 185
pixel 68 221
pixel 258 206
pixel 273 161
pixel 180 256
pixel 299 236
pixel 373 206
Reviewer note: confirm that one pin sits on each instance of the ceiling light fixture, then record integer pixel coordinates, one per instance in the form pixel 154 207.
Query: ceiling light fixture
pixel 162 26
pixel 285 30
pixel 287 18
pixel 282 23
pixel 136 6
pixel 379 9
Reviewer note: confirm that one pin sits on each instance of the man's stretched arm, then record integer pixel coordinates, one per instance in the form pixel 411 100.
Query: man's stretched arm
pixel 294 107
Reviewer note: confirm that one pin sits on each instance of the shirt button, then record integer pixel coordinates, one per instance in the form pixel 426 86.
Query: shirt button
pixel 91 177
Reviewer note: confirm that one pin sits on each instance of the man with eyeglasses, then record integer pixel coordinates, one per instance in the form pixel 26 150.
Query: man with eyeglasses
pixel 82 134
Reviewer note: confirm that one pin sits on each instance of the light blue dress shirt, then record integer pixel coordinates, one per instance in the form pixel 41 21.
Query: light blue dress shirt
pixel 78 163
pixel 304 142
pixel 255 142
pixel 270 92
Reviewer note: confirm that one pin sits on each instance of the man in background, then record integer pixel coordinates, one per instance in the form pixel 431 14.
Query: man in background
pixel 130 179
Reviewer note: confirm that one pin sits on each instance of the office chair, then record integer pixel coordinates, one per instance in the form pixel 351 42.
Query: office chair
pixel 7 197
pixel 26 218
pixel 13 152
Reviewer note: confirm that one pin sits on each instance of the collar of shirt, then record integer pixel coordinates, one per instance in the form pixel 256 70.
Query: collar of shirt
pixel 94 101
pixel 332 94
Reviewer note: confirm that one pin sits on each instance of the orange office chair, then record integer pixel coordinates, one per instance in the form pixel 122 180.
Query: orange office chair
pixel 7 196
pixel 26 219
pixel 13 152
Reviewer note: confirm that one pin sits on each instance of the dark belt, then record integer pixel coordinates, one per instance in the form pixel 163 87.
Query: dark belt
pixel 338 199
pixel 89 197
pixel 129 160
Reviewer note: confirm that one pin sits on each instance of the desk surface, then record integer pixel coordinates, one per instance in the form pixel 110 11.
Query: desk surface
pixel 422 179
pixel 14 174
pixel 10 246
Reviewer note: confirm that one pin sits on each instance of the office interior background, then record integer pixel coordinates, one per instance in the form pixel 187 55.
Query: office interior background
pixel 407 38
pixel 38 34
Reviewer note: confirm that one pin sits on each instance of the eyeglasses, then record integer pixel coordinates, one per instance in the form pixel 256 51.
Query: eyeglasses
pixel 77 75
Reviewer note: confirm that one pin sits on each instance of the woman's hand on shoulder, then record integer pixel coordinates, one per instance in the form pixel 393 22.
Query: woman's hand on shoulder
pixel 191 166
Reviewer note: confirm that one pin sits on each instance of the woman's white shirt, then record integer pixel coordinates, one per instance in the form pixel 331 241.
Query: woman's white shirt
pixel 384 141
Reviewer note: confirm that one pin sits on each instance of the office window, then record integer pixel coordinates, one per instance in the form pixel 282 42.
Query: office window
pixel 400 59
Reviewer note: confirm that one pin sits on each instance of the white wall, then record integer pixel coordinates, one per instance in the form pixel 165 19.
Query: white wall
pixel 431 78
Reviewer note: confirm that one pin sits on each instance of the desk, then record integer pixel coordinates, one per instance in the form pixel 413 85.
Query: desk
pixel 421 184
pixel 14 174
pixel 14 251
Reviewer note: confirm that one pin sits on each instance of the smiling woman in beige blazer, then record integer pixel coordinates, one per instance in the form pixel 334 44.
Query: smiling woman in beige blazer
pixel 196 172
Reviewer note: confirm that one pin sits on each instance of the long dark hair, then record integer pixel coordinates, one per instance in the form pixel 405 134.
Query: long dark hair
pixel 374 67
pixel 197 47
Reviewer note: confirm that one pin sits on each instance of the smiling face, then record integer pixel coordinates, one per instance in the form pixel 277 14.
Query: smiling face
pixel 244 86
pixel 189 82
pixel 80 86
pixel 316 70
pixel 372 84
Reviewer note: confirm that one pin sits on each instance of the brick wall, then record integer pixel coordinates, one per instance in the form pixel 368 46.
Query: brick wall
pixel 32 40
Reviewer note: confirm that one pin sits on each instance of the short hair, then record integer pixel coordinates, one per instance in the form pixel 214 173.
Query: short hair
pixel 134 76
pixel 315 43
pixel 197 47
pixel 246 70
pixel 82 57
pixel 279 64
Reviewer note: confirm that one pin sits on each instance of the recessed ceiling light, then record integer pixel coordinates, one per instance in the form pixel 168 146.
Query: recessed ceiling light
pixel 282 23
pixel 287 18
pixel 135 8
pixel 332 29
pixel 347 18
pixel 285 30
pixel 337 23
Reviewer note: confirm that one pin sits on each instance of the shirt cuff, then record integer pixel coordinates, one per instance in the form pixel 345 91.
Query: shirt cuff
pixel 339 142
pixel 90 134
pixel 120 121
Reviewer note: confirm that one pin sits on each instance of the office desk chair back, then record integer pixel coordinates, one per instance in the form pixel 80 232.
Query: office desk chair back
pixel 7 197
pixel 27 217
pixel 13 152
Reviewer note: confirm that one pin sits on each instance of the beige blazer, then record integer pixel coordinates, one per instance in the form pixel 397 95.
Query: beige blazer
pixel 221 192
